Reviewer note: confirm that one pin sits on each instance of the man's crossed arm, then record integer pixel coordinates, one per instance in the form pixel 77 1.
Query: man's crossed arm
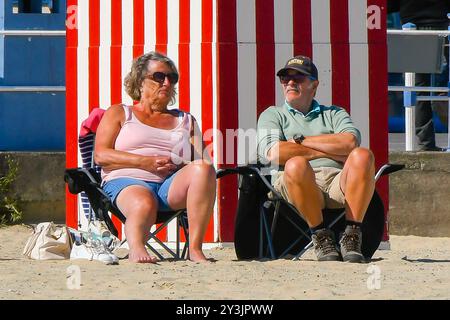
pixel 333 146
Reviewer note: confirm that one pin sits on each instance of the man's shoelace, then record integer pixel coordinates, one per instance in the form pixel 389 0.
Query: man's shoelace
pixel 351 242
pixel 325 242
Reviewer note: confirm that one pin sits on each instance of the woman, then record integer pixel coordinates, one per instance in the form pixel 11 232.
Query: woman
pixel 144 151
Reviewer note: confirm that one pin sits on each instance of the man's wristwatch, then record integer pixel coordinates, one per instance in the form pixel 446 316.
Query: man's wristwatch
pixel 298 138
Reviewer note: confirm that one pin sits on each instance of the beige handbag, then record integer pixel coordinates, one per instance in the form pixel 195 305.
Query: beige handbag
pixel 49 242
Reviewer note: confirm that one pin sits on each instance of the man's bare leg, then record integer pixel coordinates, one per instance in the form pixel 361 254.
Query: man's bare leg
pixel 306 196
pixel 303 191
pixel 358 183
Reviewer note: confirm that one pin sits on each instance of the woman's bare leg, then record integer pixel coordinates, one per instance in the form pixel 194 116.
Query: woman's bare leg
pixel 139 206
pixel 194 188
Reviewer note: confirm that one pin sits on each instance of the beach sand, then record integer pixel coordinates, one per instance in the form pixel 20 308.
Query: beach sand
pixel 414 268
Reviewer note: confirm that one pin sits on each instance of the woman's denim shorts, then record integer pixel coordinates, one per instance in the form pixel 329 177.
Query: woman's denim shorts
pixel 159 190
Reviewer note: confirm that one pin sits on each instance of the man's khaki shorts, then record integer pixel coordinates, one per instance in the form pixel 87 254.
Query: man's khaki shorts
pixel 327 179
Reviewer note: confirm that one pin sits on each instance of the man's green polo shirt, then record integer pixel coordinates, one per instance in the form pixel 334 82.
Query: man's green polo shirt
pixel 282 123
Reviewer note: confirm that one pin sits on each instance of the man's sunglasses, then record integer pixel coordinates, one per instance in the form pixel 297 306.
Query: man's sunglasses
pixel 299 78
pixel 161 76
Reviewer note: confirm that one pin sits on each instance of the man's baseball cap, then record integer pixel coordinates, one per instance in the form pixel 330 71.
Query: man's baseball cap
pixel 302 64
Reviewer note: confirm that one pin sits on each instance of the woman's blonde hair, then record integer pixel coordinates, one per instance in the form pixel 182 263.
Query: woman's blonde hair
pixel 133 80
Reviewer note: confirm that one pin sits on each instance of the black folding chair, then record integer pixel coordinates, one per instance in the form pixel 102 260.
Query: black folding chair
pixel 89 181
pixel 272 228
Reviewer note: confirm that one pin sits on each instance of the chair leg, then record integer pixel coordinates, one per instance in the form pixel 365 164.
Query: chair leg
pixel 336 220
pixel 170 251
pixel 166 248
pixel 306 248
pixel 148 246
pixel 186 235
pixel 276 214
pixel 154 251
pixel 268 233
pixel 261 236
pixel 304 234
pixel 152 236
pixel 184 254
pixel 177 250
pixel 291 246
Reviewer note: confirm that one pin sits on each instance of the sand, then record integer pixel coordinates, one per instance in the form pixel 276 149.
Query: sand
pixel 414 268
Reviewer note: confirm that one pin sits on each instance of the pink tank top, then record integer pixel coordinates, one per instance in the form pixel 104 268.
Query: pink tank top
pixel 139 138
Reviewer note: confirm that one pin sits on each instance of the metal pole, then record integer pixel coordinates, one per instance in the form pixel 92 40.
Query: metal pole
pixel 30 33
pixel 424 89
pixel 409 103
pixel 32 89
pixel 431 98
pixel 410 117
pixel 414 32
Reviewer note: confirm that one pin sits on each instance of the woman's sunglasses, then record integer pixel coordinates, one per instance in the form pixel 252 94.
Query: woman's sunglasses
pixel 299 78
pixel 161 76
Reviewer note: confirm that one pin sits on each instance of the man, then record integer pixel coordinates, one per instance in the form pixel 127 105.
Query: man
pixel 426 15
pixel 323 163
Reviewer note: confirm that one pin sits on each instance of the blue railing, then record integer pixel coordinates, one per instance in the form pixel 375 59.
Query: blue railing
pixel 409 90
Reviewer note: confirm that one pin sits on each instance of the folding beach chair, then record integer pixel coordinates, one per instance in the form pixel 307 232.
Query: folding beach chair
pixel 96 204
pixel 273 228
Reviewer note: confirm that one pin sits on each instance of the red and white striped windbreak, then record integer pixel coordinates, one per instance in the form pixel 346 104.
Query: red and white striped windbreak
pixel 228 52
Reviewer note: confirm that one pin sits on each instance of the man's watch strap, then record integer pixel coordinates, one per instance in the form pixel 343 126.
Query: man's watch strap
pixel 298 138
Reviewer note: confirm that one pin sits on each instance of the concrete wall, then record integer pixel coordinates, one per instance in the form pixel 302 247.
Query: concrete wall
pixel 39 187
pixel 419 194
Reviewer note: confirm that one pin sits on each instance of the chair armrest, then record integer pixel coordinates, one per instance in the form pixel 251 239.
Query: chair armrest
pixel 236 170
pixel 78 179
pixel 247 170
pixel 387 169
